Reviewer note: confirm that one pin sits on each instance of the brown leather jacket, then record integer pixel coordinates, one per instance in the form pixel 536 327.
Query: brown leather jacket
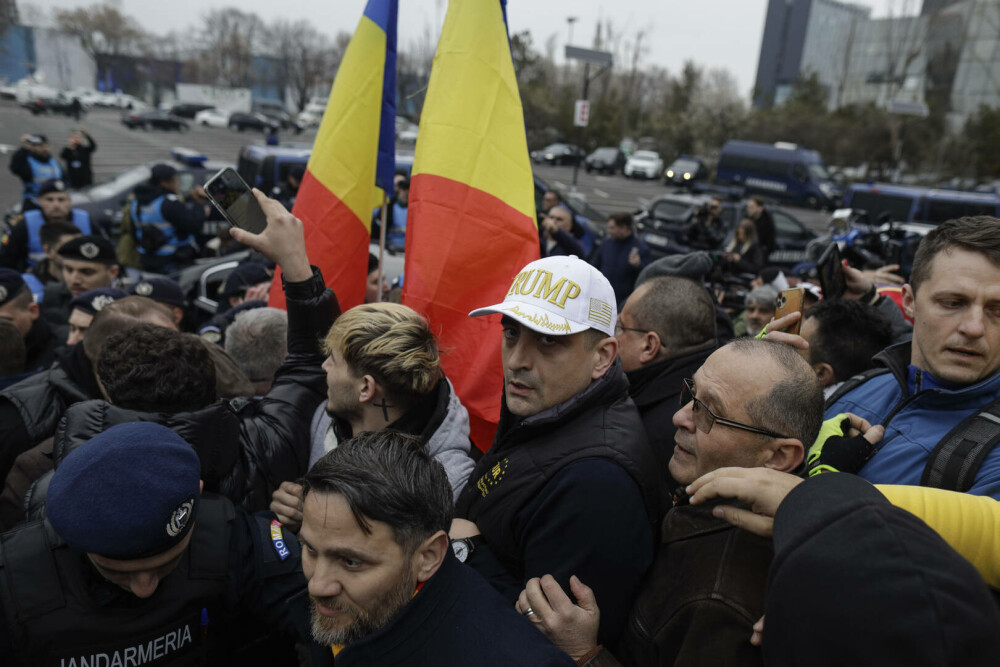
pixel 700 598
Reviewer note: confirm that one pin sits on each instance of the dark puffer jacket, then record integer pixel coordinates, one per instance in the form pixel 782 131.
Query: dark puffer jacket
pixel 247 447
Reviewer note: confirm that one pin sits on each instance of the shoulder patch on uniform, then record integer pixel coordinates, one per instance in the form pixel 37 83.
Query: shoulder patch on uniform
pixel 278 540
pixel 211 336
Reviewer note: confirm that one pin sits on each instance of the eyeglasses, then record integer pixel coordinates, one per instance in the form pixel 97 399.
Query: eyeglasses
pixel 621 328
pixel 705 419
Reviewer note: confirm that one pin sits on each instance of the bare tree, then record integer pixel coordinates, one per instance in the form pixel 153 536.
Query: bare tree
pixel 232 37
pixel 307 58
pixel 101 29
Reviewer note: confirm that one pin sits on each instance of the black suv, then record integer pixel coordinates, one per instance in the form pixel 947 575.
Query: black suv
pixel 252 121
pixel 662 224
pixel 684 171
pixel 605 159
pixel 188 110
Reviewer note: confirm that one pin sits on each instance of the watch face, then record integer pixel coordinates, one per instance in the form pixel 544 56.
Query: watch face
pixel 461 550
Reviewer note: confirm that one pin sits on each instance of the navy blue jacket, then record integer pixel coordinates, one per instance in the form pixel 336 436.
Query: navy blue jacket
pixel 611 259
pixel 915 421
pixel 456 619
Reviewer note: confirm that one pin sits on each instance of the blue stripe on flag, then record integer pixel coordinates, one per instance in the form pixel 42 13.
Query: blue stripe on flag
pixel 384 14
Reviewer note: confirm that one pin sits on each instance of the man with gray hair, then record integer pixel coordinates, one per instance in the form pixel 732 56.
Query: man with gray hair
pixel 257 342
pixel 752 404
pixel 759 309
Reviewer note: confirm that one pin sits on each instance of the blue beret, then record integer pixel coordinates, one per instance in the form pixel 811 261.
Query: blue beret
pixel 11 284
pixel 161 289
pixel 93 301
pixel 128 493
pixel 245 276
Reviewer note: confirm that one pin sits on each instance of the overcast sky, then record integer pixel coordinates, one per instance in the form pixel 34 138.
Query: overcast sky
pixel 713 33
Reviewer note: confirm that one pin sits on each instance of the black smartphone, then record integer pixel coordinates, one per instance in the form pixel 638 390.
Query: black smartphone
pixel 831 273
pixel 232 196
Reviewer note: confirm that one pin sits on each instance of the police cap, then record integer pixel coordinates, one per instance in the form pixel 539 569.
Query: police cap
pixel 50 186
pixel 161 289
pixel 130 492
pixel 93 301
pixel 89 248
pixel 11 284
pixel 243 277
pixel 162 172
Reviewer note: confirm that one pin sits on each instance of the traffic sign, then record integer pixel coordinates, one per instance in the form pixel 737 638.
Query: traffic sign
pixel 581 113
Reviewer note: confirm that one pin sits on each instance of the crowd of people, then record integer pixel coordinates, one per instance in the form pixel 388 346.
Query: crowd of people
pixel 669 483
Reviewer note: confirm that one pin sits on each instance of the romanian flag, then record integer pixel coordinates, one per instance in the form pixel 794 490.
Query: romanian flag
pixel 471 222
pixel 353 157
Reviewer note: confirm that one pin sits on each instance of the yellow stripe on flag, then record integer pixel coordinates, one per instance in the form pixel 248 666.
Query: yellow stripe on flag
pixel 478 137
pixel 342 157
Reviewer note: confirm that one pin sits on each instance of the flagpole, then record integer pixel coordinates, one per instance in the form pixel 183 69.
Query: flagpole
pixel 381 241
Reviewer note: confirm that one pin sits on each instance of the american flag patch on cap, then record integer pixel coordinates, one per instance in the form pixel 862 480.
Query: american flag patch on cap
pixel 601 312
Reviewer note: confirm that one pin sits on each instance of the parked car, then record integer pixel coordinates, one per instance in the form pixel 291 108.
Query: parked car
pixel 644 164
pixel 313 113
pixel 559 154
pixel 406 131
pixel 283 119
pixel 51 105
pixel 212 118
pixel 662 224
pixel 605 159
pixel 253 121
pixel 685 171
pixel 153 119
pixel 187 110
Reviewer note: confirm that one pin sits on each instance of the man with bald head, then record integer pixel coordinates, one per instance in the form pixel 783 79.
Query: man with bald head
pixel 753 403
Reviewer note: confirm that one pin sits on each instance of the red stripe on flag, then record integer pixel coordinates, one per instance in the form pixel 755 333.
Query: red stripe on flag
pixel 462 254
pixel 336 241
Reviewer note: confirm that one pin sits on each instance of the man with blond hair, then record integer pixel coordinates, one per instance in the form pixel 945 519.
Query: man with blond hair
pixel 383 370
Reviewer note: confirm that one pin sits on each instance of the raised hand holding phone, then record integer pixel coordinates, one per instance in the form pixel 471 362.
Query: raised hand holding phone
pixel 231 195
pixel 282 239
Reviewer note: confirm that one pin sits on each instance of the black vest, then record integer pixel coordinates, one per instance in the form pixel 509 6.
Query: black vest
pixel 54 619
pixel 600 422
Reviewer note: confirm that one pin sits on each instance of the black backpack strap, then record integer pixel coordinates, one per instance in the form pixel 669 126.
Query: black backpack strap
pixel 854 382
pixel 956 460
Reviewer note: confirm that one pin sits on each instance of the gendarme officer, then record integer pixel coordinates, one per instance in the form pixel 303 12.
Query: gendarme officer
pixel 163 225
pixel 133 565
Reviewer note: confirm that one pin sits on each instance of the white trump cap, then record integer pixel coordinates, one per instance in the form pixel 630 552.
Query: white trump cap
pixel 559 295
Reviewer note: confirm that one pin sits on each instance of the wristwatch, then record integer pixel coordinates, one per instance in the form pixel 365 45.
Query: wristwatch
pixel 464 547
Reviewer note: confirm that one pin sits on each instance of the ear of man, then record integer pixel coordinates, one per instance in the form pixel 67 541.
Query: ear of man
pixel 368 389
pixel 783 454
pixel 651 346
pixel 429 555
pixel 604 355
pixel 824 372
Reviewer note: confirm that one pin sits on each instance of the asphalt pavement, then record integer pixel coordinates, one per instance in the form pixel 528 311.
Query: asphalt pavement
pixel 119 148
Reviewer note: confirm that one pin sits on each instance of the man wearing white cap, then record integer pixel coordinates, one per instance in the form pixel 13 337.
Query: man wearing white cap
pixel 570 485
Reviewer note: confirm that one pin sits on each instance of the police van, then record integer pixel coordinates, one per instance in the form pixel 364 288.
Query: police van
pixel 781 170
pixel 897 203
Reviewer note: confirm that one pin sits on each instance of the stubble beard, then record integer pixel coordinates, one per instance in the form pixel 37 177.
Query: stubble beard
pixel 365 622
